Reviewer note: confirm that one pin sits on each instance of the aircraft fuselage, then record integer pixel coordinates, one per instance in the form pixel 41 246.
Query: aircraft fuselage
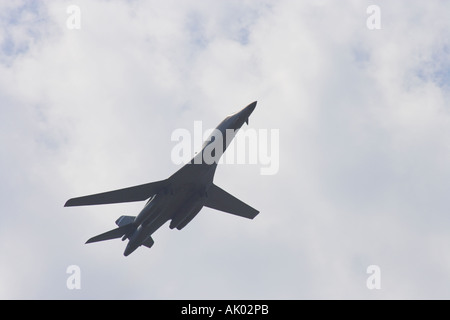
pixel 187 189
pixel 179 198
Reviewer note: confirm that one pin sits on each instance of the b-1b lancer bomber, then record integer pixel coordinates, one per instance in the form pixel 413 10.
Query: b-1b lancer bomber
pixel 179 198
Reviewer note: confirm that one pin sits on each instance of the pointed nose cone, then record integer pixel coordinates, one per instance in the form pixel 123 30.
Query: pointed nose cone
pixel 245 113
pixel 249 109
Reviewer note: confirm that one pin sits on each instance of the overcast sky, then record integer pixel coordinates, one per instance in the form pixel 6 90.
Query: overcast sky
pixel 364 153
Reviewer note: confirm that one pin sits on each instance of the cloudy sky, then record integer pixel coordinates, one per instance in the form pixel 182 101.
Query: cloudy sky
pixel 364 152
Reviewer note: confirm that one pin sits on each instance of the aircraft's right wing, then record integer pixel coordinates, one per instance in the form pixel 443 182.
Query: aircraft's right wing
pixel 221 200
pixel 136 193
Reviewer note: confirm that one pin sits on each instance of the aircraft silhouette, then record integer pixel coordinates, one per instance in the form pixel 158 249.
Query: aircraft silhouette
pixel 178 198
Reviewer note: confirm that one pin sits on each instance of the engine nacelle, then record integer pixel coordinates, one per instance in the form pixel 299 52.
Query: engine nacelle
pixel 188 219
pixel 148 242
pixel 183 218
pixel 152 210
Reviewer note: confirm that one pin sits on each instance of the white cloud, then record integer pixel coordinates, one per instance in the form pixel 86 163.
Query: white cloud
pixel 364 129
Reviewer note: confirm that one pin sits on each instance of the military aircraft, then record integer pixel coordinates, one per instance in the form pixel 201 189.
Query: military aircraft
pixel 178 198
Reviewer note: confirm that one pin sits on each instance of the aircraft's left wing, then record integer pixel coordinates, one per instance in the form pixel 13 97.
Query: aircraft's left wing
pixel 221 200
pixel 131 194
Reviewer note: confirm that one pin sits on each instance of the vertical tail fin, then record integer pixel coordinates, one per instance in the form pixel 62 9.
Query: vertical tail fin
pixel 124 220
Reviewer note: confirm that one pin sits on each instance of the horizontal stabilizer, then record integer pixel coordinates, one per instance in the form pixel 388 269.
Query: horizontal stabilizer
pixel 131 194
pixel 113 234
pixel 223 201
